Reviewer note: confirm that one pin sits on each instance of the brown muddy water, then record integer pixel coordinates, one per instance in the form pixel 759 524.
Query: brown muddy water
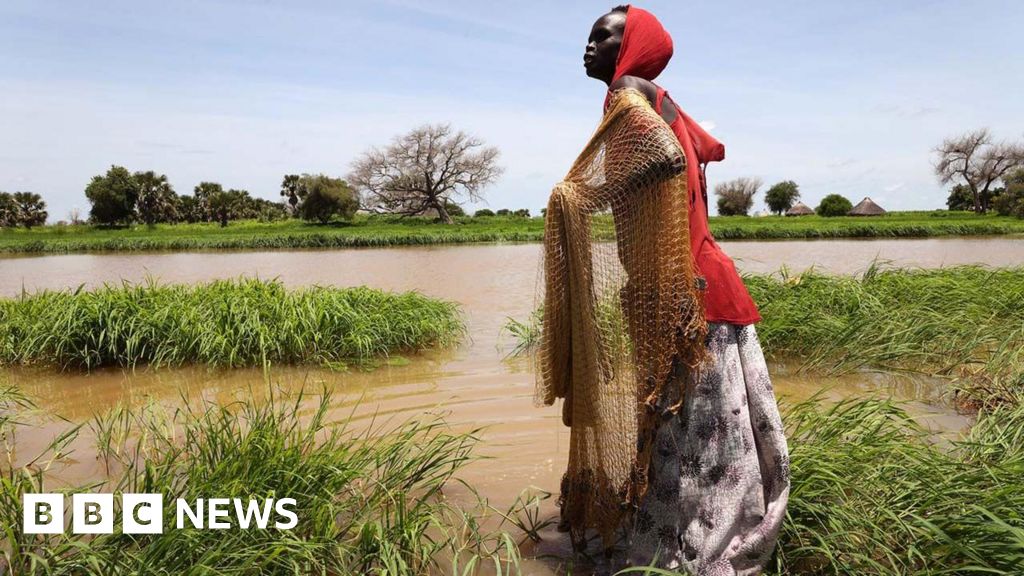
pixel 474 384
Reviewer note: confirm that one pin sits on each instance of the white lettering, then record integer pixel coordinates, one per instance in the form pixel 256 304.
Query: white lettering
pixel 282 511
pixel 142 513
pixel 196 516
pixel 253 510
pixel 42 513
pixel 217 508
pixel 92 513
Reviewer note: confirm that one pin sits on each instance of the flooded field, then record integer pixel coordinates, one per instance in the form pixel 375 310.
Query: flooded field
pixel 475 384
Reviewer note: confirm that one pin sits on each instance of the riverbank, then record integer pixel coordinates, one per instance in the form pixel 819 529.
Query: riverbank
pixel 367 231
pixel 224 323
pixel 965 322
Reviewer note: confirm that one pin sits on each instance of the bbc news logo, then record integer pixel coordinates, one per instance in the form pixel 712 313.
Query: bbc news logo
pixel 144 513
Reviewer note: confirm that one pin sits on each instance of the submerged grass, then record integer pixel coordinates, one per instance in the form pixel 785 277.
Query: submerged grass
pixel 367 503
pixel 227 323
pixel 966 322
pixel 935 319
pixel 871 493
pixel 390 231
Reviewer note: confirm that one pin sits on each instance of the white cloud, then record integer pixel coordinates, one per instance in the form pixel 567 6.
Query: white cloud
pixel 708 125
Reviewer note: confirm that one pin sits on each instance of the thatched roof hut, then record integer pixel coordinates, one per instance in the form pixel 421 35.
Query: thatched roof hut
pixel 799 209
pixel 866 207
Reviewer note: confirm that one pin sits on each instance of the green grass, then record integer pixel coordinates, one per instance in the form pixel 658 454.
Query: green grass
pixel 965 321
pixel 871 493
pixel 367 503
pixel 391 231
pixel 935 319
pixel 230 323
pixel 911 224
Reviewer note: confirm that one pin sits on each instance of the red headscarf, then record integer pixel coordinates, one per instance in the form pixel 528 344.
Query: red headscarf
pixel 645 51
pixel 646 46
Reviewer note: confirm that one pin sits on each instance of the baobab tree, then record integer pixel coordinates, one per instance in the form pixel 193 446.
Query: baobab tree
pixel 427 168
pixel 975 161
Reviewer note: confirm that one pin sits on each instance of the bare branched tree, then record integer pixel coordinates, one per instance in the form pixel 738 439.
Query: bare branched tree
pixel 736 197
pixel 428 168
pixel 974 160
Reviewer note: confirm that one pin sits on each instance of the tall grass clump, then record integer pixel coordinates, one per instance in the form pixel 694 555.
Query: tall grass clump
pixel 223 323
pixel 368 502
pixel 872 494
pixel 966 322
pixel 937 319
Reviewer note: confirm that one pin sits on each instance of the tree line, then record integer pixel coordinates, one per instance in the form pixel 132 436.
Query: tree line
pixel 432 169
pixel 974 162
pixel 427 171
pixel 120 197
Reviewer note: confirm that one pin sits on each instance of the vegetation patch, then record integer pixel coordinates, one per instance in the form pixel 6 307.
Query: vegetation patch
pixel 367 502
pixel 374 230
pixel 871 493
pixel 228 323
pixel 965 321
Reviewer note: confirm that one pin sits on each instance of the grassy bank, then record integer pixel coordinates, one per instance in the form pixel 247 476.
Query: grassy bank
pixel 229 323
pixel 891 225
pixel 366 503
pixel 965 321
pixel 387 231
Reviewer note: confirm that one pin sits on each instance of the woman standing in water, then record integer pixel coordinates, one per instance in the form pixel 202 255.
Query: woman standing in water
pixel 717 482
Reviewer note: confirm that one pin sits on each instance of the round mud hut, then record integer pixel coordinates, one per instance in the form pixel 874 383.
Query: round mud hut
pixel 800 209
pixel 866 207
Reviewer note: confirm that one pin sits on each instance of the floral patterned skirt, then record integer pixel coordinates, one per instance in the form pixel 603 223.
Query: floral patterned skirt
pixel 719 479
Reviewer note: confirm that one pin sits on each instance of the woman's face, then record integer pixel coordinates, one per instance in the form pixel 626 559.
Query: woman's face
pixel 603 46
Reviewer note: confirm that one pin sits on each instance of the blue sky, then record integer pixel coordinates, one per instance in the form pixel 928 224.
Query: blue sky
pixel 844 97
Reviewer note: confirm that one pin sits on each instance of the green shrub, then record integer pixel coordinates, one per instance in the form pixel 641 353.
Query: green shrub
pixel 1011 201
pixel 324 197
pixel 833 205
